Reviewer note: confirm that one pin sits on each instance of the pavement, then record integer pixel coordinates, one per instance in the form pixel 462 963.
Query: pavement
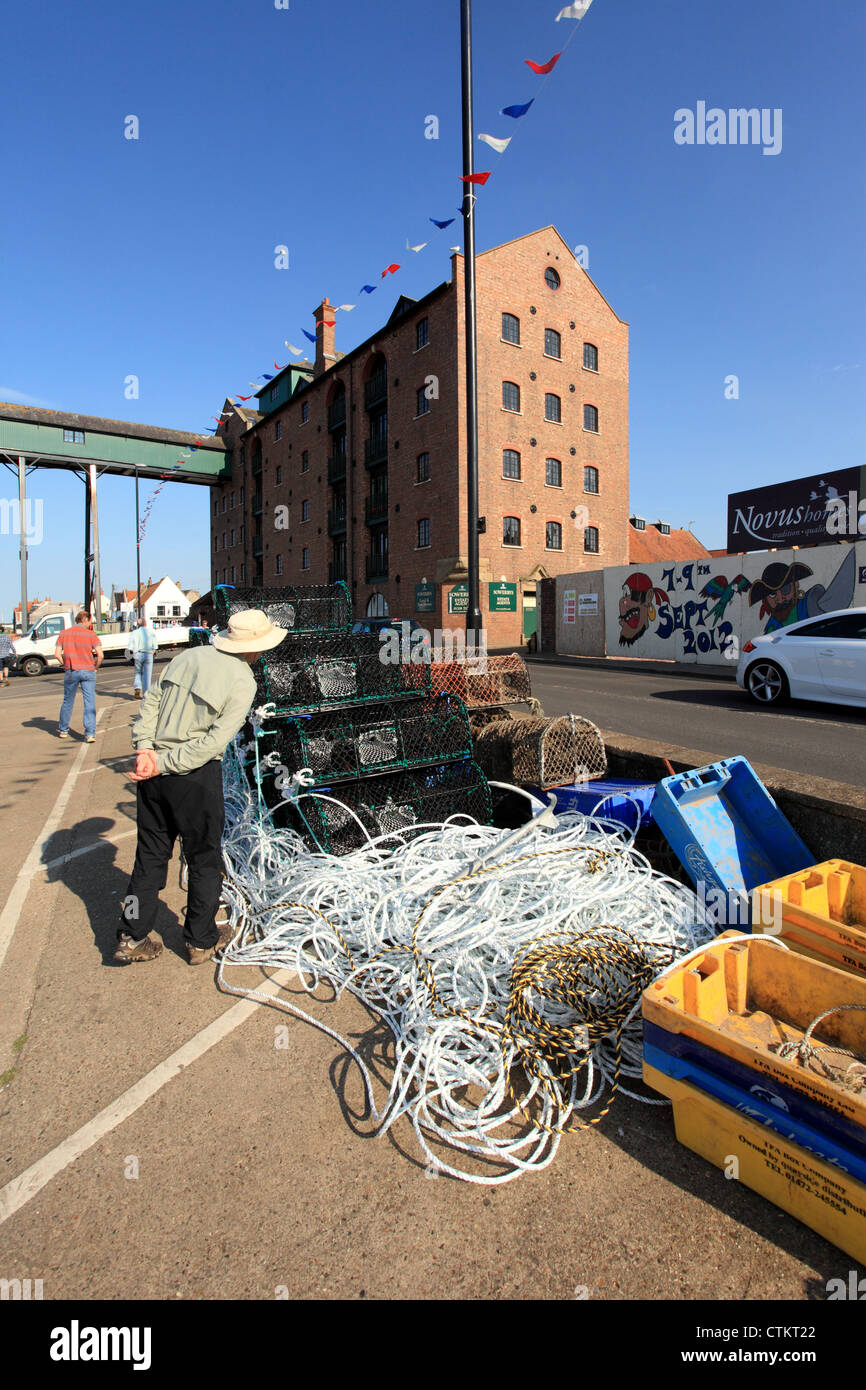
pixel 155 1143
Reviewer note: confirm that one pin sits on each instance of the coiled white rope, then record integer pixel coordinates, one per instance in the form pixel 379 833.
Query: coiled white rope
pixel 429 944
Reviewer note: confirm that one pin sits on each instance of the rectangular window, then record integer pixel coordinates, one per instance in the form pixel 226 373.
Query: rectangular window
pixel 553 536
pixel 279 564
pixel 305 509
pixel 552 343
pixel 243 573
pixel 510 530
pixel 422 404
pixel 279 477
pixel 305 412
pixel 423 468
pixel 272 395
pixel 216 507
pixel 160 610
pixel 243 495
pixel 305 461
pixel 305 559
pixel 233 537
pixel 216 543
pixel 423 533
pixel 510 463
pixel 552 408
pixel 73 436
pixel 278 429
pixel 590 357
pixel 232 503
pixel 242 534
pixel 590 479
pixel 177 610
pixel 422 334
pixel 511 328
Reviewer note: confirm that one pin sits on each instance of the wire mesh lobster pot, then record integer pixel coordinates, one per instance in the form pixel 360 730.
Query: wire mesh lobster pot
pixel 338 668
pixel 352 743
pixel 541 752
pixel 297 607
pixel 199 637
pixel 502 680
pixel 399 803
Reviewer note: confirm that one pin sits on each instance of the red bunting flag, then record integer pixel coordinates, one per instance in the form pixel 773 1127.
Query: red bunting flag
pixel 244 398
pixel 389 270
pixel 543 67
pixel 329 323
pixel 476 178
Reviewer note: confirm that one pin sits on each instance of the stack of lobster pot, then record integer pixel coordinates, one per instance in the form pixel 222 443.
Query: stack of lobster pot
pixel 344 743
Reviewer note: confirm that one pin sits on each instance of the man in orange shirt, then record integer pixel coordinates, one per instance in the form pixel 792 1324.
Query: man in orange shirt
pixel 80 651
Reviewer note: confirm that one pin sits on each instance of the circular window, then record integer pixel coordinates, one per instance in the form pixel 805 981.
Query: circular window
pixel 551 278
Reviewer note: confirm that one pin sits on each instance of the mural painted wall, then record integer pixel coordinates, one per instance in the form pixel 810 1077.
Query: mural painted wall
pixel 704 610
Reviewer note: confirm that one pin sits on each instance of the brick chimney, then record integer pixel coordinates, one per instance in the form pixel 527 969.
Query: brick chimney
pixel 326 353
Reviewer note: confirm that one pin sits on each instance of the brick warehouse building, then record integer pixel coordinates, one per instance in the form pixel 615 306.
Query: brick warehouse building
pixel 354 466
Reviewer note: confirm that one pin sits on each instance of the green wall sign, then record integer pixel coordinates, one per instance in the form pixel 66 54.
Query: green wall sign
pixel 503 598
pixel 425 598
pixel 458 599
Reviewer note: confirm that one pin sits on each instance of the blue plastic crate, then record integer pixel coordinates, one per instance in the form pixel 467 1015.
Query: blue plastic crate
pixel 691 1057
pixel 726 829
pixel 816 1139
pixel 621 800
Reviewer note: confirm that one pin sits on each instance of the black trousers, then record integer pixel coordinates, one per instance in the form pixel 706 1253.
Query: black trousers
pixel 189 806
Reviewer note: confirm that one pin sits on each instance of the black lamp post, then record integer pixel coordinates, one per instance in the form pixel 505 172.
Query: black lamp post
pixel 473 612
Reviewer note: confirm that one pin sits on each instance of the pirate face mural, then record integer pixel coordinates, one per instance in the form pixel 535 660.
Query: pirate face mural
pixel 637 607
pixel 783 601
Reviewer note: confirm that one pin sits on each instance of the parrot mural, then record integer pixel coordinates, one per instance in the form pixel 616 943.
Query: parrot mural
pixel 719 588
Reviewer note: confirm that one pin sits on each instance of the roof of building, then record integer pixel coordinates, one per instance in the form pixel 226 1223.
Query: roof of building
pixel 646 546
pixel 98 425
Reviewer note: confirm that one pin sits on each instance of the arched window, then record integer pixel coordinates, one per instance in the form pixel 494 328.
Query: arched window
pixel 590 479
pixel 590 418
pixel 552 343
pixel 553 536
pixel 510 463
pixel 590 357
pixel 510 395
pixel 553 473
pixel 511 328
pixel 511 530
pixel 377 606
pixel 590 540
pixel 552 408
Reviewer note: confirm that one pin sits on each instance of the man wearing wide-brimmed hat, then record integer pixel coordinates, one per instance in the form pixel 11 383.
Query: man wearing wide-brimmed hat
pixel 186 723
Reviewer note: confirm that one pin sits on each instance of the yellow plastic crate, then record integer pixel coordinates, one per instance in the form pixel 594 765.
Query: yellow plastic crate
pixel 822 911
pixel 744 998
pixel 807 1187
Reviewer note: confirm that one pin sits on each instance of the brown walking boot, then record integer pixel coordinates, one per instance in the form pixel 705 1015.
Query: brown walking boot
pixel 130 951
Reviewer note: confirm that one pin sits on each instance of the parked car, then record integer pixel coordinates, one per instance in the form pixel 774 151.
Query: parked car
pixel 396 625
pixel 816 659
pixel 35 652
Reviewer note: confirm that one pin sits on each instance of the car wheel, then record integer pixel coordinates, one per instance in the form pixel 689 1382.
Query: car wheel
pixel 33 666
pixel 767 683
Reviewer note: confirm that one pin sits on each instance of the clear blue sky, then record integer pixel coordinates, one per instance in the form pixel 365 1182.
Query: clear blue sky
pixel 305 127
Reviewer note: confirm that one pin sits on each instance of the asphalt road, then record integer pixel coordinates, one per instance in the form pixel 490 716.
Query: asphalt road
pixel 714 715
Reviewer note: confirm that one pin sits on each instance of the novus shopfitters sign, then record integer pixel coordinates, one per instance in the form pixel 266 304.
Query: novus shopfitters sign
pixel 807 511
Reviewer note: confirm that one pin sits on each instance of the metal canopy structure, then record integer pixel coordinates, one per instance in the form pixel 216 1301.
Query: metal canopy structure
pixel 88 446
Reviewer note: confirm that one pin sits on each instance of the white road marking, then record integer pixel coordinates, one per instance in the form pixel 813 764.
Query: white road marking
pixel 20 1190
pixel 32 864
pixel 86 849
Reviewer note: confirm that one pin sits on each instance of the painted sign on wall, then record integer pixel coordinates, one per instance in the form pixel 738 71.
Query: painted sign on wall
pixel 820 510
pixel 704 610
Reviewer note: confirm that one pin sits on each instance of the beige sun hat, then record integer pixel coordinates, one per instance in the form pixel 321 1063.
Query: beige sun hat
pixel 250 631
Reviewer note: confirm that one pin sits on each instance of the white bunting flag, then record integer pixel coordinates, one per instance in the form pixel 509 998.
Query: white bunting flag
pixel 576 11
pixel 346 307
pixel 498 145
pixel 296 351
pixel 419 247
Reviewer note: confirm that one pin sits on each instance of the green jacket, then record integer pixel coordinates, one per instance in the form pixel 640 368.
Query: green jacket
pixel 193 712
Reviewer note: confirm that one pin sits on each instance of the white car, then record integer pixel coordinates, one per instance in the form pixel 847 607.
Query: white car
pixel 816 659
